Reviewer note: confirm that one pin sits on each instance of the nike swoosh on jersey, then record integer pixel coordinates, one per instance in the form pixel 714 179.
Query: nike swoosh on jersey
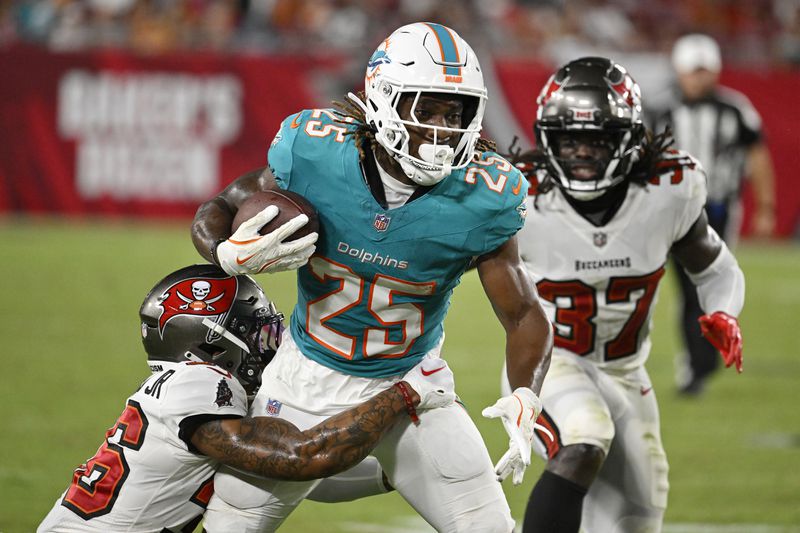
pixel 645 390
pixel 295 122
pixel 435 370
pixel 517 187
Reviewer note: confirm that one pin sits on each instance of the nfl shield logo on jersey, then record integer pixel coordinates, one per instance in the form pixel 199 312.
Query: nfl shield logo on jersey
pixel 600 239
pixel 381 222
pixel 273 407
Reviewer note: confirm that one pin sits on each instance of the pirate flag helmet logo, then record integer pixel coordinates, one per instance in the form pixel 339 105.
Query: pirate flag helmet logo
pixel 200 313
pixel 211 297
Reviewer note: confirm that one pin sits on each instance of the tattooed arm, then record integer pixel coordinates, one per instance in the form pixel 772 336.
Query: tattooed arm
pixel 274 448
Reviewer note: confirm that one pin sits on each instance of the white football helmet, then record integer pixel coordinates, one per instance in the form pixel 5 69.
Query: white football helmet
pixel 423 58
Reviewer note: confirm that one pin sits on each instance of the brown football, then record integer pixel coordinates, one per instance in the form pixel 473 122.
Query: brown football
pixel 290 205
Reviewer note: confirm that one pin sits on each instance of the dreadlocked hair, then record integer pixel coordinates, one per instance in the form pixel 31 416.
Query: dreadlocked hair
pixel 654 146
pixel 364 133
pixel 530 162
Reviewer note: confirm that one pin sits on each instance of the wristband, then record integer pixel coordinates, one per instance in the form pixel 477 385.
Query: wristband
pixel 214 247
pixel 412 411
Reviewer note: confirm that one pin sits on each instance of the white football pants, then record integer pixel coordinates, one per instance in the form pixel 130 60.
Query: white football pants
pixel 617 412
pixel 441 466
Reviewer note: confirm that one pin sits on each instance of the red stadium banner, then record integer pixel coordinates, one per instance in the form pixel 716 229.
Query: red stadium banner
pixel 112 133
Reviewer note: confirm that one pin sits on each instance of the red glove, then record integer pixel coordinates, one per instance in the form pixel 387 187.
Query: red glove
pixel 722 331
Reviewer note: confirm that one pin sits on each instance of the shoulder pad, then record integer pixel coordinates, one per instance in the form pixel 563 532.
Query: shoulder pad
pixel 205 388
pixel 672 168
pixel 497 173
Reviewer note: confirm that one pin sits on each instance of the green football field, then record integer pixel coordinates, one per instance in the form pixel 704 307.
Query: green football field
pixel 70 342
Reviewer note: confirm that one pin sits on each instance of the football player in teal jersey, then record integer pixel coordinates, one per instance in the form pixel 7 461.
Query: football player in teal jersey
pixel 408 198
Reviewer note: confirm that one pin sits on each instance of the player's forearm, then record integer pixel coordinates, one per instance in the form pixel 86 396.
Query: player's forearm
pixel 344 440
pixel 528 348
pixel 212 222
pixel 274 448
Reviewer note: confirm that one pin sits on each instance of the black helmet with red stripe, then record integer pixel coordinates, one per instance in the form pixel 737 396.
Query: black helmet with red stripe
pixel 593 96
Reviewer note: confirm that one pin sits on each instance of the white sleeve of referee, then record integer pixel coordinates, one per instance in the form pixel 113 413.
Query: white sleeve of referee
pixel 720 287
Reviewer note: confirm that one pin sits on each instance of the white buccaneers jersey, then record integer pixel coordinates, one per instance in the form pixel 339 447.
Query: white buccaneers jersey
pixel 145 476
pixel 599 284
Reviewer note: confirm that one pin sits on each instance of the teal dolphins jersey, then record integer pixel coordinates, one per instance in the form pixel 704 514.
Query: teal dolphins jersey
pixel 373 298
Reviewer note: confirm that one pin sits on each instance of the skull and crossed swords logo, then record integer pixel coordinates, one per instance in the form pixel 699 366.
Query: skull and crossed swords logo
pixel 206 296
pixel 200 291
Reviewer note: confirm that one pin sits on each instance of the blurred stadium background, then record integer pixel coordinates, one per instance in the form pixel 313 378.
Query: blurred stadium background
pixel 119 116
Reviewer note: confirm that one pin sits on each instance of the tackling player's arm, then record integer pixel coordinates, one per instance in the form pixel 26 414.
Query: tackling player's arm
pixel 720 287
pixel 529 336
pixel 212 222
pixel 274 448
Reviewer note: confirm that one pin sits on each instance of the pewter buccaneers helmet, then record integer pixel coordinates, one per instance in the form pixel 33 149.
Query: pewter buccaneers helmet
pixel 200 313
pixel 591 94
pixel 424 58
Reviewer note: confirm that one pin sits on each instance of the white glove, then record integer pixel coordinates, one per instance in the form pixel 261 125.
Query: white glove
pixel 432 379
pixel 518 412
pixel 248 252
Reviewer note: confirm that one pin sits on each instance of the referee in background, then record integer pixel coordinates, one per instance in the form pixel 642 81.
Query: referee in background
pixel 720 127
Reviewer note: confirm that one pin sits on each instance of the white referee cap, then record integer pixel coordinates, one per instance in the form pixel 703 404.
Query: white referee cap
pixel 696 51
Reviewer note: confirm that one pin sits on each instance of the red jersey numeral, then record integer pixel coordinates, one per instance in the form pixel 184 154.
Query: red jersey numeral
pixel 621 290
pixel 96 484
pixel 576 307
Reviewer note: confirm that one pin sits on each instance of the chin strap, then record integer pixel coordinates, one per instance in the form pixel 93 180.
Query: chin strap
pixel 220 330
pixel 435 155
pixel 423 177
pixel 584 196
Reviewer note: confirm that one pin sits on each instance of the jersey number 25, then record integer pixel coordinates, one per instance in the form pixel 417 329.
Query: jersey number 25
pixel 379 301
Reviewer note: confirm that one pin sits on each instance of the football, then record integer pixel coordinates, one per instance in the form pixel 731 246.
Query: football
pixel 290 205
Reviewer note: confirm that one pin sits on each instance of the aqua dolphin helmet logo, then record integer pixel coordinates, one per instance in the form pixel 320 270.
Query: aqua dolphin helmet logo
pixel 378 58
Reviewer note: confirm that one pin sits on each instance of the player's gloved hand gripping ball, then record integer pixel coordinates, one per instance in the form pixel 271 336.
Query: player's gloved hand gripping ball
pixel 723 332
pixel 518 411
pixel 256 246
